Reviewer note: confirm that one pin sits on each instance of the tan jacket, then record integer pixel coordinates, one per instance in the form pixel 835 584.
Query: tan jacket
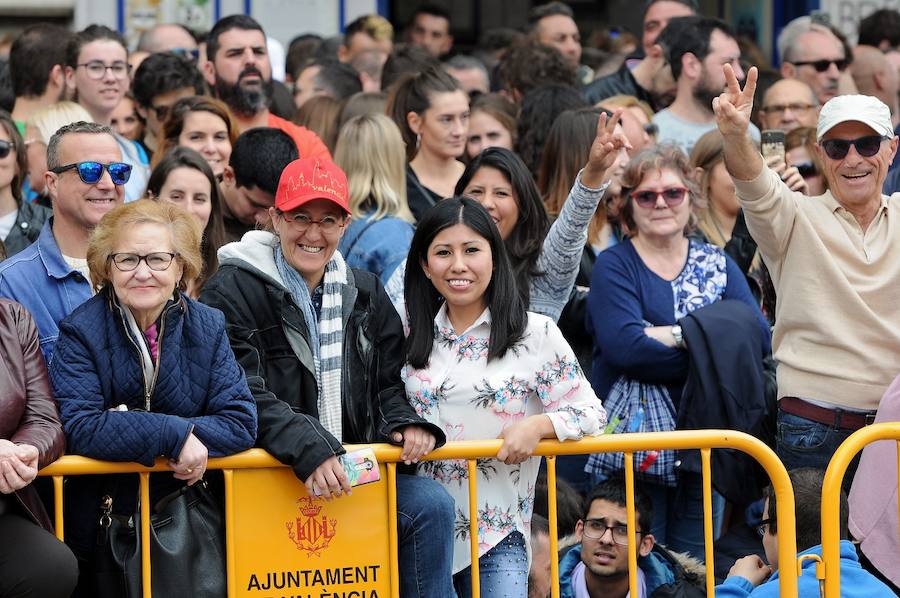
pixel 837 331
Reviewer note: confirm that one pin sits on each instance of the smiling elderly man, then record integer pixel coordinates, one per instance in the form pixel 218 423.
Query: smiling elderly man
pixel 835 262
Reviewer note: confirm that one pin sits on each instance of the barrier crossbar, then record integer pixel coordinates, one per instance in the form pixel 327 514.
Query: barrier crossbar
pixel 831 488
pixel 704 440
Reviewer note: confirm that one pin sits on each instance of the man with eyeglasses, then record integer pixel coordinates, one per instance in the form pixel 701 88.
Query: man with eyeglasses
pixel 168 37
pixel 810 52
pixel 598 566
pixel 752 577
pixel 160 81
pixel 835 263
pixel 86 179
pixel 787 105
pixel 97 73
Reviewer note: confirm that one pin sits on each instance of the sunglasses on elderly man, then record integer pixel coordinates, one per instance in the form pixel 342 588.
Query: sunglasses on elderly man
pixel 867 146
pixel 91 172
pixel 673 196
pixel 823 65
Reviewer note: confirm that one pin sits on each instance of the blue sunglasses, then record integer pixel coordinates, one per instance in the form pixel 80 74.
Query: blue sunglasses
pixel 91 172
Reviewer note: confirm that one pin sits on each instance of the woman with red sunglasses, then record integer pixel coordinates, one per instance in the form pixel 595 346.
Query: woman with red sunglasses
pixel 640 290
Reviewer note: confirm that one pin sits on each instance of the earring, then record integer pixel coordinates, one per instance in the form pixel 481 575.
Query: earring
pixel 418 140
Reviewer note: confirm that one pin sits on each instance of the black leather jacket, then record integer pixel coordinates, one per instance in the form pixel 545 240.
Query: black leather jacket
pixel 27 228
pixel 270 340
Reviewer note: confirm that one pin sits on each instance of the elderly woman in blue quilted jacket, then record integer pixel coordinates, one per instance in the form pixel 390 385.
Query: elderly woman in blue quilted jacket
pixel 142 371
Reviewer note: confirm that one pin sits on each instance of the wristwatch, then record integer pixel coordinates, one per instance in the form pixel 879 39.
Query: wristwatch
pixel 679 337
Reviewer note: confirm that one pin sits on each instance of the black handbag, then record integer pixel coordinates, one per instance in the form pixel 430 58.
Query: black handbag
pixel 187 548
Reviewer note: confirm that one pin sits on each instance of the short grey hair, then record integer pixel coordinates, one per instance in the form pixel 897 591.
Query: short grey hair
pixel 463 62
pixel 787 39
pixel 76 127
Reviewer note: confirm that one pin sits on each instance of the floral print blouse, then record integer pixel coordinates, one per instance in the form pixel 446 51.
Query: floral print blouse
pixel 471 399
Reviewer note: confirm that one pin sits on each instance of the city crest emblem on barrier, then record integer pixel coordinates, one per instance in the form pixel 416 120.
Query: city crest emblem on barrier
pixel 310 531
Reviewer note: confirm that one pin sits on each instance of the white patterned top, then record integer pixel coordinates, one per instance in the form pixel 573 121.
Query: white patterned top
pixel 473 399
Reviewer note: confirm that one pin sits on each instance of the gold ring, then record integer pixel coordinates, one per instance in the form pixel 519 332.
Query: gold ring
pixel 189 470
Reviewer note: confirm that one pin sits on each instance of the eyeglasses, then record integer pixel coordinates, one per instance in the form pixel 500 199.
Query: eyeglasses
pixel 673 196
pixel 867 146
pixel 596 529
pixel 156 261
pixel 96 69
pixel 5 148
pixel 91 172
pixel 192 54
pixel 823 65
pixel 806 169
pixel 779 109
pixel 763 525
pixel 301 222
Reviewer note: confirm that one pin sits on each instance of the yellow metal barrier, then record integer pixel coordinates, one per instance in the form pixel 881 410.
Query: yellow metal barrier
pixel 256 459
pixel 834 477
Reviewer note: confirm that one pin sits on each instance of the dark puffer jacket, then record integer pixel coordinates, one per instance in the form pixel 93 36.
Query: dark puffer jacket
pixel 198 387
pixel 270 340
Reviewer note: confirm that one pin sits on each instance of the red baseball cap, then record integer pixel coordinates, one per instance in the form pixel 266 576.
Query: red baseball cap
pixel 307 179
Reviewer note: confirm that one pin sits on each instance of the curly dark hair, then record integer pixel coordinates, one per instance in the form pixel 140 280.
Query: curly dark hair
pixel 540 107
pixel 528 64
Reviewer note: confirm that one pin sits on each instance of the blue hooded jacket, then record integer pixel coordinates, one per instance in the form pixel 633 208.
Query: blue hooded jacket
pixel 664 575
pixel 856 582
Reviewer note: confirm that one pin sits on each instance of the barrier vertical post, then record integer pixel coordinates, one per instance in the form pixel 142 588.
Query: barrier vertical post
pixel 145 535
pixel 552 518
pixel 393 541
pixel 473 525
pixel 228 475
pixel 707 520
pixel 629 512
pixel 58 506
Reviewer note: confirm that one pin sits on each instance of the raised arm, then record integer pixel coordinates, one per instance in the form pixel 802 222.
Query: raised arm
pixel 732 110
pixel 561 253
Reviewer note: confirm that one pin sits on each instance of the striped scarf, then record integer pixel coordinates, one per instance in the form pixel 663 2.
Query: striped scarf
pixel 326 334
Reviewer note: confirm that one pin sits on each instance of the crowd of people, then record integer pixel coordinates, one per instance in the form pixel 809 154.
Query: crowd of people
pixel 382 241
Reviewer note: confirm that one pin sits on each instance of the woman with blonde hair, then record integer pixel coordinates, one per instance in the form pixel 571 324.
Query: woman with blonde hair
pixel 144 371
pixel 378 236
pixel 38 131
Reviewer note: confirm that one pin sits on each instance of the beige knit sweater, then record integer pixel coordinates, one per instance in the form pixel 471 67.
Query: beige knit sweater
pixel 837 331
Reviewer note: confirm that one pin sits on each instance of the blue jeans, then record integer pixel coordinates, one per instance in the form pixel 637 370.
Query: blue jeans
pixel 801 442
pixel 502 571
pixel 678 514
pixel 425 520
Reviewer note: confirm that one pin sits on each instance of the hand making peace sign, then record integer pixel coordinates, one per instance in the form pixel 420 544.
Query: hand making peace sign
pixel 733 107
pixel 606 146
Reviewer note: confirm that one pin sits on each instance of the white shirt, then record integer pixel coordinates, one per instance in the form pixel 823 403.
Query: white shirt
pixel 473 399
pixel 7 222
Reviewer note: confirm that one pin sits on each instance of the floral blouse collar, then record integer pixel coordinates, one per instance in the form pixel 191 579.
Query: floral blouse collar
pixel 443 329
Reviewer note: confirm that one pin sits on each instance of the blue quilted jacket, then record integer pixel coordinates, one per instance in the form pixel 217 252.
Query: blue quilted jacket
pixel 199 386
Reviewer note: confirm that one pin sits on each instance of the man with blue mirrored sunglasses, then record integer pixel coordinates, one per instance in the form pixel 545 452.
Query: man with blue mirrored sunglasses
pixel 835 262
pixel 86 179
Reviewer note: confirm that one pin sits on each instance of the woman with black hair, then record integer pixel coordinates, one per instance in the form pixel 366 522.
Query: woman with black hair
pixel 481 367
pixel 544 258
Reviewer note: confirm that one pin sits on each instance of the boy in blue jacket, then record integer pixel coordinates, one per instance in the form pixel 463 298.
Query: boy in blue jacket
pixel 750 576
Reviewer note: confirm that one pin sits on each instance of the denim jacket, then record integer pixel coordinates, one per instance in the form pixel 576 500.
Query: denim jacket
pixel 40 279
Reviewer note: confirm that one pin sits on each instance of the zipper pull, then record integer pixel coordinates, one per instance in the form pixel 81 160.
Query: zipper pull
pixel 106 511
